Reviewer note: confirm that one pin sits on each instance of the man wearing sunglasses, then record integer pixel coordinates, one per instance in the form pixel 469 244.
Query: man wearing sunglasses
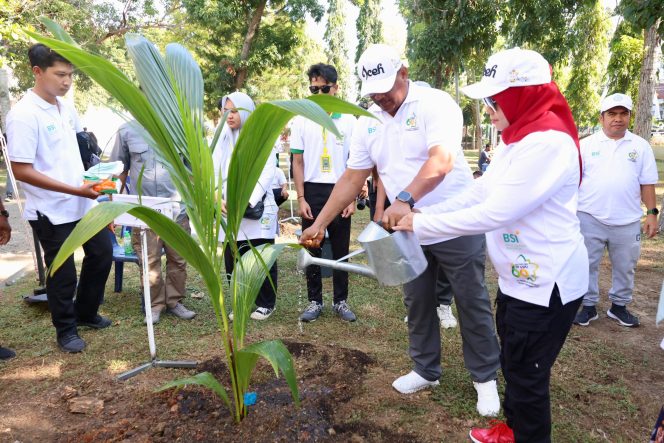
pixel 319 160
pixel 416 146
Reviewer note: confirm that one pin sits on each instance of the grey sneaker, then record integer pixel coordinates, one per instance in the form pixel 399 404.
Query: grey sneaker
pixel 313 311
pixel 343 310
pixel 156 314
pixel 261 313
pixel 181 312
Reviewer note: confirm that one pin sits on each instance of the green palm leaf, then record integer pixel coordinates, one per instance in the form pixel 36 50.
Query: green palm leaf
pixel 276 353
pixel 203 379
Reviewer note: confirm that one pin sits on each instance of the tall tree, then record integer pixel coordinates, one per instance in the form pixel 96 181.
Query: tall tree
pixel 572 37
pixel 447 38
pixel 587 62
pixel 646 15
pixel 369 27
pixel 337 48
pixel 220 33
pixel 623 71
pixel 94 25
pixel 238 32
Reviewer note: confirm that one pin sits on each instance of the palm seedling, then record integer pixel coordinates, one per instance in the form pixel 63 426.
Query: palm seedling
pixel 169 106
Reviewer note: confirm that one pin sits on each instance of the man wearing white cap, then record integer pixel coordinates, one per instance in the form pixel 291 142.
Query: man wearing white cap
pixel 533 236
pixel 619 171
pixel 415 144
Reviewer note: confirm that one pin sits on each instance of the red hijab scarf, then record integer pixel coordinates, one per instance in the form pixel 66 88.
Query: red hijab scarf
pixel 534 109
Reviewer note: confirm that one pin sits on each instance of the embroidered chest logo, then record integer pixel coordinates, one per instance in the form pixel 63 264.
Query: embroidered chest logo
pixel 632 156
pixel 372 129
pixel 594 154
pixel 411 122
pixel 525 271
pixel 51 128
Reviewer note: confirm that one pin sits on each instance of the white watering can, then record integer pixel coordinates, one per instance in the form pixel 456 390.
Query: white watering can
pixel 394 259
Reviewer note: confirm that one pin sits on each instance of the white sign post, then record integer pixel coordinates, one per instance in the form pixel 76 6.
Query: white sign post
pixel 165 206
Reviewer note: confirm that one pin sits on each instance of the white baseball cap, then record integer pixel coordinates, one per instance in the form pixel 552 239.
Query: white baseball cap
pixel 510 68
pixel 377 68
pixel 614 100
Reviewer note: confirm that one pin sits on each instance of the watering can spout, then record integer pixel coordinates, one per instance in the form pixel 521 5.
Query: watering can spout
pixel 393 259
pixel 304 260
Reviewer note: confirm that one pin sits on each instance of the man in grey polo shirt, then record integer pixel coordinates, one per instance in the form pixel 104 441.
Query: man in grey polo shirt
pixel 136 154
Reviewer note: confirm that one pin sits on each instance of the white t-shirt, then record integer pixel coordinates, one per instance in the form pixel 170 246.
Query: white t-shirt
pixel 45 136
pixel 324 154
pixel 613 172
pixel 279 179
pixel 528 213
pixel 399 146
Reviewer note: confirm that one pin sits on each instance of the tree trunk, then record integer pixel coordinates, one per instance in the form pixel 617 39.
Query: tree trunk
pixel 4 98
pixel 643 115
pixel 477 116
pixel 248 40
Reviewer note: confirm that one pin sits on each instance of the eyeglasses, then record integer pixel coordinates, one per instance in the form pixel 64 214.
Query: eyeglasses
pixel 324 88
pixel 491 103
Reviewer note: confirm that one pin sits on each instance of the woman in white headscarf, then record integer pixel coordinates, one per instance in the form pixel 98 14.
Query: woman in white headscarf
pixel 238 106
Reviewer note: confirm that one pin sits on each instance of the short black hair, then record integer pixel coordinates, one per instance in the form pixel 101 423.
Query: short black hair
pixel 328 72
pixel 44 57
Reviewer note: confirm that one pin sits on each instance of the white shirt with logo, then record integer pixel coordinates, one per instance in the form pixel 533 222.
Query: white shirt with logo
pixel 45 136
pixel 528 213
pixel 313 142
pixel 399 145
pixel 613 172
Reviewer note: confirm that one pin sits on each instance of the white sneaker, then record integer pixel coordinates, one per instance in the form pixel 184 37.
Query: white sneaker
pixel 412 382
pixel 446 317
pixel 488 402
pixel 156 313
pixel 261 313
pixel 181 312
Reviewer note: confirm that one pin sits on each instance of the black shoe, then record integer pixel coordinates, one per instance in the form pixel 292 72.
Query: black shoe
pixel 622 316
pixel 586 315
pixel 71 343
pixel 6 353
pixel 98 322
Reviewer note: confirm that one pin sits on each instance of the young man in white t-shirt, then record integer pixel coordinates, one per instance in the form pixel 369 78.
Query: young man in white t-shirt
pixel 319 160
pixel 44 155
pixel 619 172
pixel 416 146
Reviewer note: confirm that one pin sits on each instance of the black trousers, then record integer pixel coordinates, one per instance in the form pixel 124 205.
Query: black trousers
pixel 531 337
pixel 62 285
pixel 317 195
pixel 267 296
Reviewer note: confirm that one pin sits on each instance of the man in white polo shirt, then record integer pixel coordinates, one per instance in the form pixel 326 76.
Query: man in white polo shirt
pixel 41 133
pixel 619 171
pixel 416 146
pixel 319 160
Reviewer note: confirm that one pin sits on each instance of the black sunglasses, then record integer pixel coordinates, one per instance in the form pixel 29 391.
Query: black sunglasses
pixel 490 102
pixel 324 88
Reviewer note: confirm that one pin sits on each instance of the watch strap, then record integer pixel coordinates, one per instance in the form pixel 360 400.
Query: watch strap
pixel 4 213
pixel 653 211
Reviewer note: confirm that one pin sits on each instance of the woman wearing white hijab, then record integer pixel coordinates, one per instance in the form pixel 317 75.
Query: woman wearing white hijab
pixel 238 106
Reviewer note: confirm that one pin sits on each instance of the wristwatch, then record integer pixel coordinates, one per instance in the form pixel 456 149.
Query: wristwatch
pixel 4 213
pixel 405 197
pixel 653 211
